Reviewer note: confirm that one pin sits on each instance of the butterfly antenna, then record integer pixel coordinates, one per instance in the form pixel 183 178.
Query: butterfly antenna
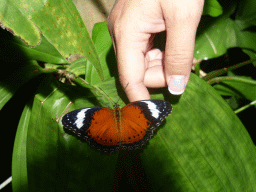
pixel 105 95
pixel 124 90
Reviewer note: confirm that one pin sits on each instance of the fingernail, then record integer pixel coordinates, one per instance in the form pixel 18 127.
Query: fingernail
pixel 176 84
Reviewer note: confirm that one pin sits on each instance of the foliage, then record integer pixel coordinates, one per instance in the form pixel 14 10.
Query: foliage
pixel 202 145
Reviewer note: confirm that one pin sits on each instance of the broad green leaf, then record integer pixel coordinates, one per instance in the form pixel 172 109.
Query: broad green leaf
pixel 12 18
pixel 212 8
pixel 216 35
pixel 246 9
pixel 104 47
pixel 64 162
pixel 10 84
pixel 19 159
pixel 59 22
pixel 14 50
pixel 202 146
pixel 44 52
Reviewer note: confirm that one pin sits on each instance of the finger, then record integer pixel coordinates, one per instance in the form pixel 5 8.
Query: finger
pixel 131 68
pixel 131 24
pixel 131 43
pixel 154 75
pixel 181 26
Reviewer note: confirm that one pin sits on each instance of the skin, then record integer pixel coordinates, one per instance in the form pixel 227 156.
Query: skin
pixel 132 25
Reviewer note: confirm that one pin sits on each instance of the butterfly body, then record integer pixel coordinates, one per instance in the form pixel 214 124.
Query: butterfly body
pixel 111 129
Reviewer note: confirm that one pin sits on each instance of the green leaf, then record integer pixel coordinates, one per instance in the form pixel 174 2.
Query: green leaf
pixel 19 159
pixel 104 47
pixel 44 52
pixel 64 162
pixel 246 9
pixel 13 18
pixel 212 8
pixel 59 22
pixel 10 84
pixel 203 146
pixel 216 35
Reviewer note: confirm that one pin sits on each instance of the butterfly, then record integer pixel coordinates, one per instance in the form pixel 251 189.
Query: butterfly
pixel 109 130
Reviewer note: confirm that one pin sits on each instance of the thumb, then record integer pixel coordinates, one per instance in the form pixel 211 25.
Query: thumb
pixel 181 25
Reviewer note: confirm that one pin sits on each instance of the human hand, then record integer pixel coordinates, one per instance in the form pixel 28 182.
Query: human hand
pixel 133 23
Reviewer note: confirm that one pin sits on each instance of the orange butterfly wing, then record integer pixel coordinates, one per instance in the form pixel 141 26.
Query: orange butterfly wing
pixel 133 125
pixel 103 128
pixel 140 119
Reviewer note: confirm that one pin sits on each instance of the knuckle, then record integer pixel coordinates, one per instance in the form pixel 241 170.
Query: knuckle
pixel 178 63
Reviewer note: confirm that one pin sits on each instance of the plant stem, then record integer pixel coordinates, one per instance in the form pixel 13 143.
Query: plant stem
pixel 82 82
pixel 238 79
pixel 219 72
pixel 6 182
pixel 197 69
pixel 245 107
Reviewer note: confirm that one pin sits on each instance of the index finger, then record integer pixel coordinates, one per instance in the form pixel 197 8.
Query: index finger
pixel 130 47
pixel 131 68
pixel 131 24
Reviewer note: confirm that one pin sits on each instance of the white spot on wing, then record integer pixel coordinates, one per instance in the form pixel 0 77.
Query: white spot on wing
pixel 80 118
pixel 152 106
